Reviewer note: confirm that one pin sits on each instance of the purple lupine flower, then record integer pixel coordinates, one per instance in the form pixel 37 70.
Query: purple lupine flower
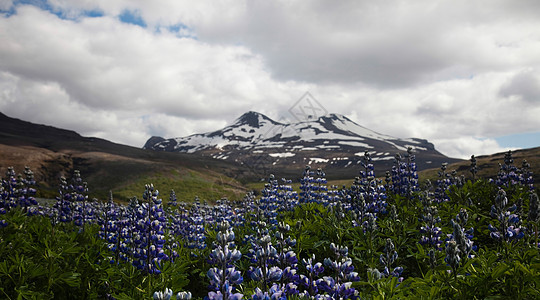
pixel 508 229
pixel 463 243
pixel 404 175
pixel 265 257
pixel 313 189
pixel 388 258
pixel 227 294
pixel 275 292
pixel 453 256
pixel 526 175
pixel 172 199
pixel 474 168
pixel 462 237
pixel 310 281
pixel 9 191
pixel 18 191
pixel 431 233
pixel 224 275
pixel 286 258
pixel 443 184
pixel 339 286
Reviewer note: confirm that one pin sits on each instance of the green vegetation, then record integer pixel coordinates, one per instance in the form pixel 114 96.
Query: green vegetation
pixel 187 184
pixel 40 260
pixel 455 239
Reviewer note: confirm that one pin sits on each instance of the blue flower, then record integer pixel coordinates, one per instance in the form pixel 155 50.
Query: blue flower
pixel 183 295
pixel 165 295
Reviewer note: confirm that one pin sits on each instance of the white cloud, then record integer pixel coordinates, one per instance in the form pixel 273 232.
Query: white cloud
pixel 101 64
pixel 464 147
pixel 525 85
pixel 5 5
pixel 457 73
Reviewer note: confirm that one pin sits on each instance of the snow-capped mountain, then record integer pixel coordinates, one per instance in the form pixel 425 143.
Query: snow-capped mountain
pixel 331 141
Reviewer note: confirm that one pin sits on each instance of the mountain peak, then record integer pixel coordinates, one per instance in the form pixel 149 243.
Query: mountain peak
pixel 152 141
pixel 333 140
pixel 253 119
pixel 250 118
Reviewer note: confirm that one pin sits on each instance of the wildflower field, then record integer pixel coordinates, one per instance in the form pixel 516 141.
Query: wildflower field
pixel 378 238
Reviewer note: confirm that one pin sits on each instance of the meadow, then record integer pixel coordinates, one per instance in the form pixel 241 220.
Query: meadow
pixel 382 236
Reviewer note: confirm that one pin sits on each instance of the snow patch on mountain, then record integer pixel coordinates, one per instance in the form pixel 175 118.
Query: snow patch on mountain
pixel 256 131
pixel 286 154
pixel 332 139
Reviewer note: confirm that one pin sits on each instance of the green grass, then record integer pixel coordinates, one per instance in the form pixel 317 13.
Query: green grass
pixel 187 185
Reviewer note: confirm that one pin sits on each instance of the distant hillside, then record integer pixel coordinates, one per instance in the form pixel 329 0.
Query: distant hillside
pixel 52 152
pixel 488 165
pixel 333 142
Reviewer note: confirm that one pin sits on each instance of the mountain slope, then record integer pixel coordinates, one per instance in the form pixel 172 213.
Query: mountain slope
pixel 333 142
pixel 488 165
pixel 52 152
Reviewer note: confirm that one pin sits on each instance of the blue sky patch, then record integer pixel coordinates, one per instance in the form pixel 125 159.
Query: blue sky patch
pixel 132 17
pixel 93 13
pixel 178 27
pixel 7 12
pixel 521 140
pixel 44 5
pixel 182 30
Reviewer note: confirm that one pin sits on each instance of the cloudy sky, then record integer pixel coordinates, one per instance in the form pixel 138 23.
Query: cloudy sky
pixel 463 74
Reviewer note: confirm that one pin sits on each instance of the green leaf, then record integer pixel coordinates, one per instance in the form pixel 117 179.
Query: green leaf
pixel 319 243
pixel 499 270
pixel 71 278
pixel 421 250
pixel 523 268
pixel 393 283
pixel 433 292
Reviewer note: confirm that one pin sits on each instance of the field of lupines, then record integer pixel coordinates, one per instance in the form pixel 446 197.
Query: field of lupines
pixel 459 237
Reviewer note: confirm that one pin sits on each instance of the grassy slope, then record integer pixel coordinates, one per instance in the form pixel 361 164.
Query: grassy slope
pixel 187 185
pixel 124 176
pixel 488 165
pixel 53 152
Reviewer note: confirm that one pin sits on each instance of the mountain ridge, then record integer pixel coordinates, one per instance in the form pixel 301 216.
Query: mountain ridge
pixel 332 140
pixel 107 166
